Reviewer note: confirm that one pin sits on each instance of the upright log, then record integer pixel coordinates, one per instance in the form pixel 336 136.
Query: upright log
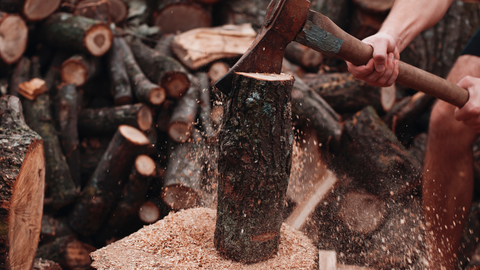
pixel 121 89
pixel 255 159
pixel 14 33
pixel 105 187
pixel 32 10
pixel 22 180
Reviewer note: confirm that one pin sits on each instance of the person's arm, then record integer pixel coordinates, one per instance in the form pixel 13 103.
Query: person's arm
pixel 405 21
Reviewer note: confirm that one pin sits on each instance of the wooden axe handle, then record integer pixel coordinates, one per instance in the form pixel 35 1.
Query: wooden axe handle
pixel 321 34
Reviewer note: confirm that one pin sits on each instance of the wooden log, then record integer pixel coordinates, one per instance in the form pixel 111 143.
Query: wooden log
pixel 78 69
pixel 104 189
pixel 327 260
pixel 217 70
pixel 388 96
pixel 121 90
pixel 184 171
pixel 31 10
pixel 144 89
pixel 53 228
pixel 241 12
pixel 93 9
pixel 20 74
pixel 180 127
pixel 468 249
pixel 205 110
pixel 68 5
pixel 164 114
pixel 22 178
pixel 68 251
pixel 162 70
pixel 149 212
pixel 67 111
pixel 199 47
pixel 174 16
pixel 163 45
pixel 14 34
pixel 52 76
pixel 254 165
pixel 91 152
pixel 61 188
pixel 104 121
pixel 41 264
pixel 303 56
pixel 32 89
pixel 77 33
pixel 376 6
pixel 407 114
pixel 118 11
pixel 336 10
pixel 363 24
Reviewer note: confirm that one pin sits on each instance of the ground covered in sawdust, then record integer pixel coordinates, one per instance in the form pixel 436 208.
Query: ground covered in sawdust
pixel 184 240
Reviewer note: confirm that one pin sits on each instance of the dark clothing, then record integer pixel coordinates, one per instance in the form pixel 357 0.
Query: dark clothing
pixel 473 45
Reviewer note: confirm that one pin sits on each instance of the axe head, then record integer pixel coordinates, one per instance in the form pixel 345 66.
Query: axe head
pixel 284 20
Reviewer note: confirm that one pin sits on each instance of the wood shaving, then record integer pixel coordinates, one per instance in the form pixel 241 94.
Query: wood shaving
pixel 184 240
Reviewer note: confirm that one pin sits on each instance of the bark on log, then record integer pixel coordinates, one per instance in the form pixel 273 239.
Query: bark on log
pixel 205 111
pixel 121 90
pixel 162 70
pixel 405 115
pixel 104 189
pixel 241 12
pixel 118 10
pixel 303 56
pixel 336 10
pixel 21 73
pixel 67 112
pixel 184 171
pixel 68 5
pixel 180 127
pixel 164 114
pixel 52 77
pixel 376 6
pixel 77 33
pixel 32 10
pixel 78 69
pixel 174 16
pixel 363 24
pixel 144 89
pixel 91 153
pixel 104 121
pixel 22 179
pixel 14 33
pixel 69 252
pixel 93 9
pixel 198 47
pixel 217 70
pixel 41 264
pixel 468 249
pixel 61 188
pixel 163 45
pixel 53 228
pixel 254 165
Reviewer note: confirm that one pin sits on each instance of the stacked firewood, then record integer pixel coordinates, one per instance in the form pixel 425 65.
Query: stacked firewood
pixel 121 93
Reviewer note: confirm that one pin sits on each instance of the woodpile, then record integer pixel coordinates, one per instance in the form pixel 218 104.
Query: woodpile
pixel 109 121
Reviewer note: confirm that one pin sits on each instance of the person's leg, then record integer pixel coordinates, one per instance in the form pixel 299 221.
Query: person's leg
pixel 448 174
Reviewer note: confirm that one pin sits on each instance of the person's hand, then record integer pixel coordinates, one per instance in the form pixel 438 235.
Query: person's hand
pixel 382 69
pixel 469 114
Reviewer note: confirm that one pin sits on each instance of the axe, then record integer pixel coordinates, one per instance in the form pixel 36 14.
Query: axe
pixel 292 20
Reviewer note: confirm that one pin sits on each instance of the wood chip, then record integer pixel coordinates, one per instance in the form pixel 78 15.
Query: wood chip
pixel 32 88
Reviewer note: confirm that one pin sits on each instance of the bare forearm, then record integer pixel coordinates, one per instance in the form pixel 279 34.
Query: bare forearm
pixel 410 17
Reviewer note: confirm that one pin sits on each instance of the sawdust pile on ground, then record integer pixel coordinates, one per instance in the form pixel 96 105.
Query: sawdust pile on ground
pixel 184 240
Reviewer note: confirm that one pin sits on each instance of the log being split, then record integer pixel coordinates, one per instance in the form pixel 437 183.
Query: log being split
pixel 256 146
pixel 184 115
pixel 174 16
pixel 22 178
pixel 121 89
pixel 77 33
pixel 144 89
pixel 78 69
pixel 105 187
pixel 162 70
pixel 14 33
pixel 32 10
pixel 106 120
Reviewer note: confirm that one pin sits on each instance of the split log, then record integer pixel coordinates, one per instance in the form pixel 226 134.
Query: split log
pixel 104 121
pixel 93 9
pixel 162 70
pixel 254 165
pixel 121 90
pixel 241 12
pixel 32 89
pixel 41 264
pixel 303 56
pixel 32 10
pixel 104 189
pixel 61 188
pixel 67 112
pixel 78 69
pixel 14 33
pixel 77 33
pixel 343 92
pixel 53 228
pixel 20 74
pixel 133 197
pixel 163 45
pixel 174 16
pixel 69 252
pixel 22 179
pixel 376 6
pixel 184 171
pixel 180 127
pixel 144 89
pixel 201 46
pixel 217 70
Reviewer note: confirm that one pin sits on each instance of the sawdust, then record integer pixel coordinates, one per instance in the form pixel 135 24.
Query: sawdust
pixel 184 240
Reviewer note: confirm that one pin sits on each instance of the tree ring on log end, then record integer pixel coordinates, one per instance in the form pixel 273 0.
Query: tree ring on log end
pixel 179 197
pixel 149 212
pixel 171 19
pixel 74 71
pixel 145 165
pixel 179 131
pixel 133 135
pixel 13 38
pixel 36 10
pixel 144 118
pixel 362 212
pixel 98 39
pixel 157 96
pixel 175 83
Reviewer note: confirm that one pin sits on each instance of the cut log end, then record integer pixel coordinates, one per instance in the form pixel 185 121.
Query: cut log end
pixel 172 18
pixel 179 131
pixel 180 197
pixel 36 10
pixel 144 118
pixel 157 96
pixel 145 165
pixel 176 84
pixel 134 135
pixel 362 212
pixel 149 212
pixel 388 96
pixel 26 205
pixel 268 77
pixel 217 70
pixel 98 39
pixel 13 33
pixel 74 71
pixel 118 10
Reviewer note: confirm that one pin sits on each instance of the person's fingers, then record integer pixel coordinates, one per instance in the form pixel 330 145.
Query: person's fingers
pixel 394 76
pixel 466 82
pixel 380 55
pixel 360 72
pixel 389 69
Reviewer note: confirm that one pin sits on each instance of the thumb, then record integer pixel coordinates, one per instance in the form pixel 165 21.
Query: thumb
pixel 380 54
